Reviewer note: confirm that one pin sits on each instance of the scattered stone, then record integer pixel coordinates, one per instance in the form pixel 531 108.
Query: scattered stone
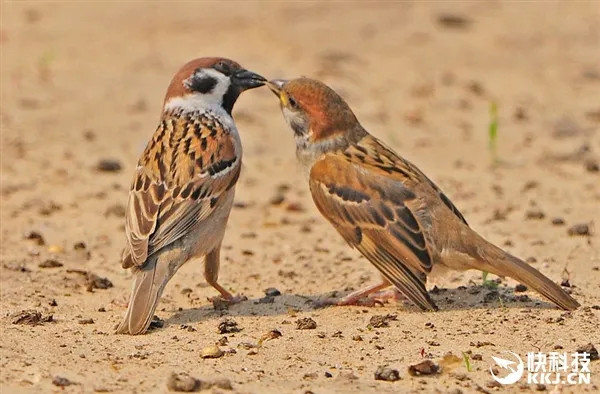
pixel 36 237
pixel 273 334
pixel 385 373
pixel 86 321
pixel 50 263
pixel 540 387
pixel 93 281
pixel 453 21
pixel 580 229
pixel 272 292
pixel 30 317
pixel 425 367
pixel 184 383
pixel 379 321
pixel 520 288
pixel 306 324
pixel 590 349
pixel 278 199
pixel 558 221
pixel 212 351
pixel 156 322
pixel 479 344
pixel 531 260
pixel 295 207
pixel 228 326
pixel 520 114
pixel 591 165
pixel 534 214
pixel 108 165
pixel 186 291
pixel 61 381
pixel 53 302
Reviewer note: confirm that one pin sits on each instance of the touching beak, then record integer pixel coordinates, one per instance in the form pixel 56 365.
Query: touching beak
pixel 276 85
pixel 245 80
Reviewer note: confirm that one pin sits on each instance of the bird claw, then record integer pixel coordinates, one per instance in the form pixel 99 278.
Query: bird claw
pixel 220 302
pixel 376 299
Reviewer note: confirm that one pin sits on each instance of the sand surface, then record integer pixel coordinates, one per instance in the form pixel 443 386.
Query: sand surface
pixel 84 82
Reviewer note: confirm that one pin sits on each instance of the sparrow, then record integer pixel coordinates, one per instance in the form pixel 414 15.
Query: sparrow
pixel 183 187
pixel 384 206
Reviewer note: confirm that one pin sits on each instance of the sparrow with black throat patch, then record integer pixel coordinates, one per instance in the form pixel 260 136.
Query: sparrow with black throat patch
pixel 384 206
pixel 183 187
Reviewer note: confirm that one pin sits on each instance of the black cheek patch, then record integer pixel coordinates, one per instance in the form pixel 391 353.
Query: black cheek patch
pixel 202 84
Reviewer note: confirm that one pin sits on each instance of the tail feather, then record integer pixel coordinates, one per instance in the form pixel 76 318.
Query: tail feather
pixel 504 264
pixel 148 285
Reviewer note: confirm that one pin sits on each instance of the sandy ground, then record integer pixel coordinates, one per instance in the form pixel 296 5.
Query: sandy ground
pixel 84 82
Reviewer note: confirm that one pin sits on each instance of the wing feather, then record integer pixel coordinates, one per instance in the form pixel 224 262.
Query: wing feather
pixel 377 215
pixel 184 171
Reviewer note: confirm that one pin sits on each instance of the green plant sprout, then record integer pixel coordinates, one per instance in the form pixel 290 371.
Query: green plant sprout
pixel 493 132
pixel 490 284
pixel 467 361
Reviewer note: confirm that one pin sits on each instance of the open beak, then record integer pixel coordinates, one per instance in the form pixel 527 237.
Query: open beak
pixel 245 80
pixel 276 85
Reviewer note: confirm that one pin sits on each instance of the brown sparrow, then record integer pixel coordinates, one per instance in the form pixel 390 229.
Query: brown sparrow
pixel 183 187
pixel 384 206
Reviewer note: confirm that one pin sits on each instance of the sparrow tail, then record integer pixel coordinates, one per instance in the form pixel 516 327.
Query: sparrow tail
pixel 504 264
pixel 148 284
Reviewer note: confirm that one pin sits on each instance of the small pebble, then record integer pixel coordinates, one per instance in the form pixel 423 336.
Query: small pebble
pixel 50 263
pixel 425 367
pixel 212 351
pixel 108 165
pixel 385 373
pixel 579 229
pixel 61 382
pixel 306 324
pixel 520 288
pixel 272 292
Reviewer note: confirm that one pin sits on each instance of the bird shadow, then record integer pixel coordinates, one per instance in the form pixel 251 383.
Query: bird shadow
pixel 477 297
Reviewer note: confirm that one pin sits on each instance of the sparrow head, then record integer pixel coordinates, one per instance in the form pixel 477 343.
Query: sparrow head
pixel 209 82
pixel 314 111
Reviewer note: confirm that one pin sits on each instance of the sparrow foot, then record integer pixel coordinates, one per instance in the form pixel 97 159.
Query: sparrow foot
pixel 220 302
pixel 358 299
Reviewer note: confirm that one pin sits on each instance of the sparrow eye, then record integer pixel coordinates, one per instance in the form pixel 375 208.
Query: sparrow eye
pixel 224 68
pixel 292 103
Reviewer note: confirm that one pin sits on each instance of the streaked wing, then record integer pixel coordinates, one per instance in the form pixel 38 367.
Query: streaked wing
pixel 187 167
pixel 376 214
pixel 380 158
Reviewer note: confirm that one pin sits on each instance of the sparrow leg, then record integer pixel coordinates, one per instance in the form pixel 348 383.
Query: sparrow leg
pixel 211 274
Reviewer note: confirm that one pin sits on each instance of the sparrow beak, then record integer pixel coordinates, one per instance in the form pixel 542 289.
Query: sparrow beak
pixel 276 85
pixel 245 80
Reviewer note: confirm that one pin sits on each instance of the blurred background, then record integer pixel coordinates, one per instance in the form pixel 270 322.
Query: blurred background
pixel 82 91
